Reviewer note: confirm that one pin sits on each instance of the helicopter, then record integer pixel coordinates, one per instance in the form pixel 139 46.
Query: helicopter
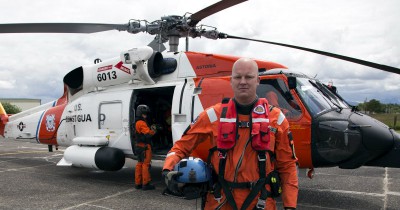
pixel 93 118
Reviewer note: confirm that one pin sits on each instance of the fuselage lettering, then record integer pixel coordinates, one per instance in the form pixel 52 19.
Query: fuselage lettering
pixel 77 107
pixel 79 118
pixel 107 76
pixel 206 66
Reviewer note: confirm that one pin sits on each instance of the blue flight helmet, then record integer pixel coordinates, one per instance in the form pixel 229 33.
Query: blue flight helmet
pixel 194 170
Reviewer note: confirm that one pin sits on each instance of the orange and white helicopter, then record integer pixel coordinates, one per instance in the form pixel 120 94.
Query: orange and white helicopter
pixel 94 117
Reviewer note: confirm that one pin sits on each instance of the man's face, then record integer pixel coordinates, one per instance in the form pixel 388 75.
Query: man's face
pixel 244 82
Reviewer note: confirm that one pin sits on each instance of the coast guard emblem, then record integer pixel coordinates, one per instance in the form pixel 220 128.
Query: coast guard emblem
pixel 259 109
pixel 50 122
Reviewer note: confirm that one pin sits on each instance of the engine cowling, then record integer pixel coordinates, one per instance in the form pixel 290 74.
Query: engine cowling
pixel 141 64
pixel 103 158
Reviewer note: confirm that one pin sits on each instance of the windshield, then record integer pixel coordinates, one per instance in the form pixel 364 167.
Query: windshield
pixel 331 94
pixel 317 97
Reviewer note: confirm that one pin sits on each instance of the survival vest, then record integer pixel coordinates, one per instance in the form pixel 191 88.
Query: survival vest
pixel 260 142
pixel 259 125
pixel 140 137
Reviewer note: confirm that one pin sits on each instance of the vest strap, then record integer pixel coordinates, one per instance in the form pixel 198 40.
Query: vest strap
pixel 260 185
pixel 222 182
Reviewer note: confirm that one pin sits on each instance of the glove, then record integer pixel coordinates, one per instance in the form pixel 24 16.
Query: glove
pixel 170 180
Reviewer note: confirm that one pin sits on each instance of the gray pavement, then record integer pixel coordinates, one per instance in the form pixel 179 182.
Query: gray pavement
pixel 30 179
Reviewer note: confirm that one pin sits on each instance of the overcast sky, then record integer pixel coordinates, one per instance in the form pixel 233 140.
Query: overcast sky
pixel 33 65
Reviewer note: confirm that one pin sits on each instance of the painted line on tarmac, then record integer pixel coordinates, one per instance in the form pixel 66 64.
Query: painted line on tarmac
pixel 305 206
pixel 100 199
pixel 22 152
pixel 345 192
pixel 395 193
pixel 40 148
pixel 97 206
pixel 20 169
pixel 385 189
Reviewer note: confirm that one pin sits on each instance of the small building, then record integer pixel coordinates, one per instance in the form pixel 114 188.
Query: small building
pixel 23 103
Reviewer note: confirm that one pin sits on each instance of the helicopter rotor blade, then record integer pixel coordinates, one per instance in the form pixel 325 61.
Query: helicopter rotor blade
pixel 341 57
pixel 221 5
pixel 60 27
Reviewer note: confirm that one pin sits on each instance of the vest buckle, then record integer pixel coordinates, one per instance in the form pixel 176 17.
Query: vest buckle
pixel 262 157
pixel 244 124
pixel 260 204
pixel 221 155
pixel 218 199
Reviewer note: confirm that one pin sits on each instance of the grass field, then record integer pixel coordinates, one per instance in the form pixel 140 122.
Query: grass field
pixel 391 120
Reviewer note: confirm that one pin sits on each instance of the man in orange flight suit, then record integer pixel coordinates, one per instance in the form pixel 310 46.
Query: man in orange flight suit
pixel 143 149
pixel 242 161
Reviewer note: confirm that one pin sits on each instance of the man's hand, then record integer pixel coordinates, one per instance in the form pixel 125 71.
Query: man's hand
pixel 170 179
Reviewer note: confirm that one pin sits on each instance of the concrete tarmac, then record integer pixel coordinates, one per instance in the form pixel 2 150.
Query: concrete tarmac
pixel 30 179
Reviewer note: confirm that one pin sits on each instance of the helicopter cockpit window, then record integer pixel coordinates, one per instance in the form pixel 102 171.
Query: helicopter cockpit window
pixel 335 98
pixel 312 97
pixel 278 95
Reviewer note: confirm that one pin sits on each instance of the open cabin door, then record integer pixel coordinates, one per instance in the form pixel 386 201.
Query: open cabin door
pixel 159 100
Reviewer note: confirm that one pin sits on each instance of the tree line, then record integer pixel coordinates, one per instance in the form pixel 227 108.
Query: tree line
pixel 375 106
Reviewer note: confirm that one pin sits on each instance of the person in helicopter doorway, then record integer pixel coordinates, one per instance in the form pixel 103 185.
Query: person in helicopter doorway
pixel 143 148
pixel 252 153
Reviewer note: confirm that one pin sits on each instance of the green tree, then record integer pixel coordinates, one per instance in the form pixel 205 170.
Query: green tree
pixel 375 106
pixel 392 108
pixel 11 109
pixel 362 107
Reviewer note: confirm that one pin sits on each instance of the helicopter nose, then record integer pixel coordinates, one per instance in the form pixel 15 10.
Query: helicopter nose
pixel 376 136
pixel 350 139
pixel 392 157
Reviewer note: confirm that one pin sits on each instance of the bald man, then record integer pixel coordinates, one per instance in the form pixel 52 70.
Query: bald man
pixel 251 149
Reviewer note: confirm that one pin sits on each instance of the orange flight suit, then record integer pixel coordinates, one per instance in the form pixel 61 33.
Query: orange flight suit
pixel 205 128
pixel 142 173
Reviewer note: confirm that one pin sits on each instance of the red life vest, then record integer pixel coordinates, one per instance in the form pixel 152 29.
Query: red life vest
pixel 260 142
pixel 229 124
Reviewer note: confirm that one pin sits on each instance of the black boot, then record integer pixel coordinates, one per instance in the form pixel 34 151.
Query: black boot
pixel 138 186
pixel 148 187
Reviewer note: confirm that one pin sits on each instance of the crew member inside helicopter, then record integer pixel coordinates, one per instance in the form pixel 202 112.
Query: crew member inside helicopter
pixel 143 148
pixel 163 138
